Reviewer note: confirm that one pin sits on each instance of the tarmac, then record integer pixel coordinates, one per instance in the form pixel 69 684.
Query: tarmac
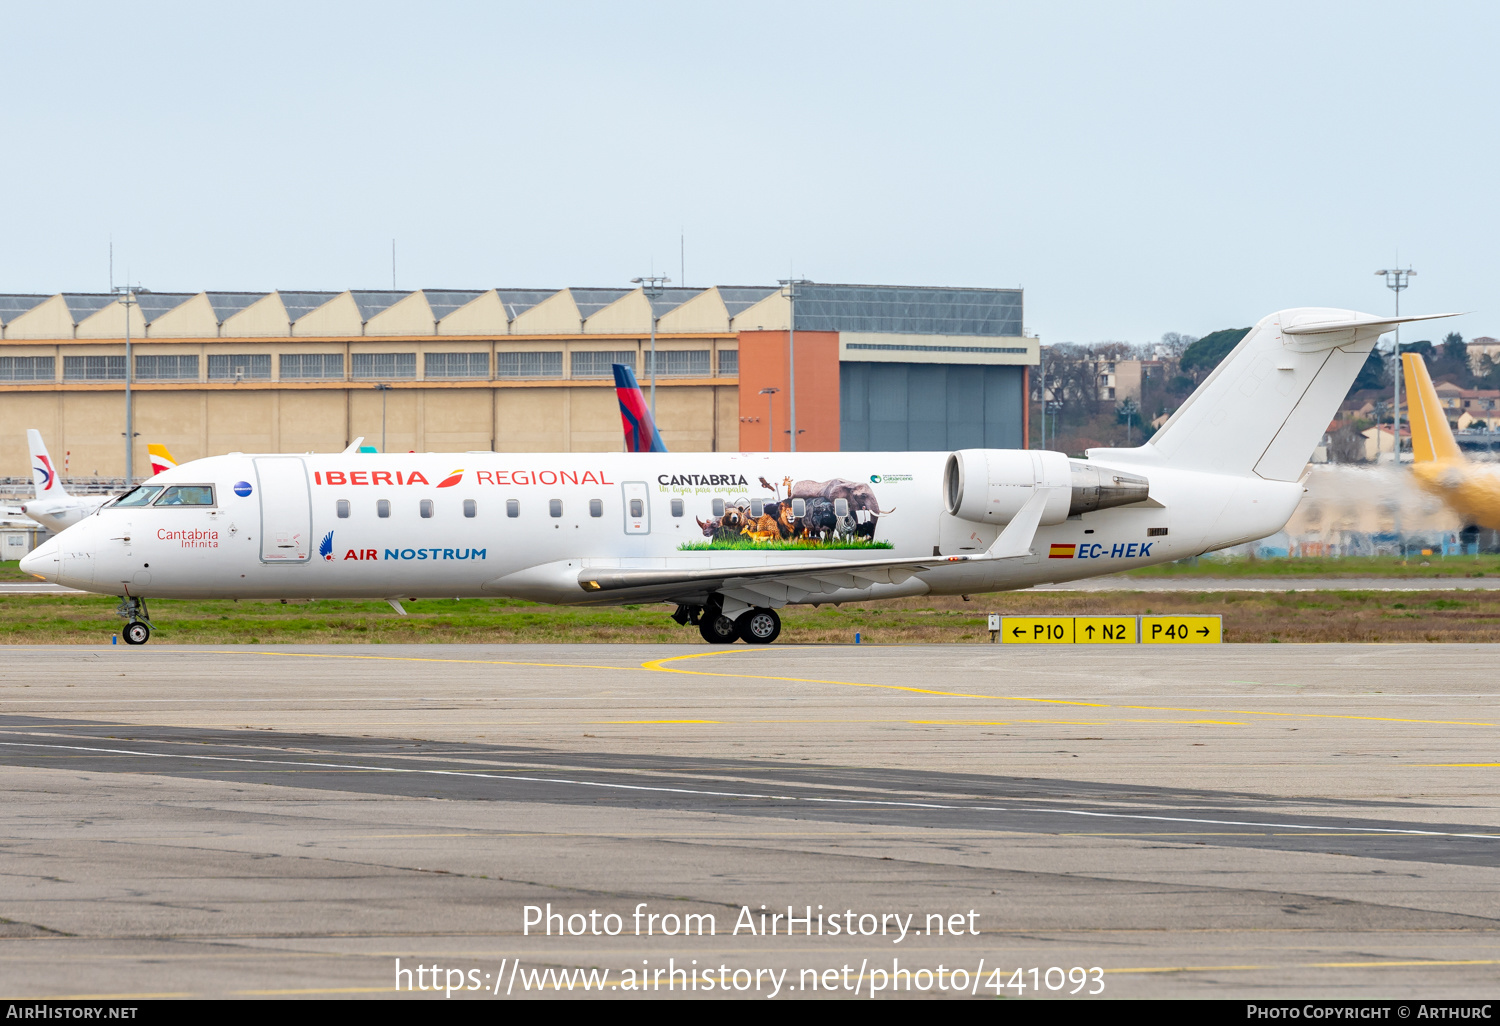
pixel 1271 821
pixel 1110 583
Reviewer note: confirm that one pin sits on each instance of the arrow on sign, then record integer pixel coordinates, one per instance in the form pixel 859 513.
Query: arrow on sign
pixel 1089 630
pixel 1016 631
pixel 1203 631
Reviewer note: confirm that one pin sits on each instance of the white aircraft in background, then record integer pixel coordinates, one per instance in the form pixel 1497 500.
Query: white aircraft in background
pixel 54 507
pixel 730 538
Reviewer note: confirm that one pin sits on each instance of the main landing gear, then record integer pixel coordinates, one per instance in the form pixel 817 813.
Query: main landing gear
pixel 138 621
pixel 754 626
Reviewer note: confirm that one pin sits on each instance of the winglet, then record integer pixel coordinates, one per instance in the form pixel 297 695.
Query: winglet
pixel 1018 535
pixel 640 430
pixel 354 446
pixel 1431 437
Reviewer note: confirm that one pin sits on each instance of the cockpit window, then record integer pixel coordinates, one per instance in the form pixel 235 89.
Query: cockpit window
pixel 187 495
pixel 139 496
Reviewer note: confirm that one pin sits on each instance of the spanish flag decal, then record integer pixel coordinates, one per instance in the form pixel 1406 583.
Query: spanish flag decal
pixel 1061 551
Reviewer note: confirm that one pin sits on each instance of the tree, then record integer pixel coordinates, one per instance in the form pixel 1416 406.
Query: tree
pixel 1454 349
pixel 1206 353
pixel 1372 374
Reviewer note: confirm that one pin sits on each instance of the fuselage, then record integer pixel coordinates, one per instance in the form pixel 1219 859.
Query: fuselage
pixel 526 525
pixel 57 515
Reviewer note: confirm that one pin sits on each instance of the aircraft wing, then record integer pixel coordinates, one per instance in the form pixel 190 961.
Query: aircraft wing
pixel 779 583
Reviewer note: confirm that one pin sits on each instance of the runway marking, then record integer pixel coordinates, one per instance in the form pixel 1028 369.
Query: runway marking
pixel 660 665
pixel 1304 830
pixel 313 990
pixel 106 997
pixel 1302 965
pixel 618 722
pixel 417 659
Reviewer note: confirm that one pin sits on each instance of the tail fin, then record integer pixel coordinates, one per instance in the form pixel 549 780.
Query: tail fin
pixel 161 459
pixel 1431 437
pixel 635 415
pixel 1265 407
pixel 44 476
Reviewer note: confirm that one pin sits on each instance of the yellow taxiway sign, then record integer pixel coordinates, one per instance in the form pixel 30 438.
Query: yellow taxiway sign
pixel 1105 630
pixel 1182 630
pixel 1036 630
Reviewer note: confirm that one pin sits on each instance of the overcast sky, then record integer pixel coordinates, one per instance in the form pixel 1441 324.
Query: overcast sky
pixel 1136 167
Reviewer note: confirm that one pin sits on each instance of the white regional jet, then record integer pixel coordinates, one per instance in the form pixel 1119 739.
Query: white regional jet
pixel 53 506
pixel 730 537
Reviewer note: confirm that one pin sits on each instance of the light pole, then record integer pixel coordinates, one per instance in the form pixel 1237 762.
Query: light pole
pixel 382 388
pixel 790 285
pixel 652 285
pixel 1042 367
pixel 127 299
pixel 770 419
pixel 1397 279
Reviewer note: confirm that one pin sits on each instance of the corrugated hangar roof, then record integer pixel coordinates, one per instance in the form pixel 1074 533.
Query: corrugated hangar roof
pixel 13 306
pixel 909 310
pixel 887 309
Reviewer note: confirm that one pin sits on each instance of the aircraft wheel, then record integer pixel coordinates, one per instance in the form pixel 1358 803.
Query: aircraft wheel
pixel 137 633
pixel 718 629
pixel 759 626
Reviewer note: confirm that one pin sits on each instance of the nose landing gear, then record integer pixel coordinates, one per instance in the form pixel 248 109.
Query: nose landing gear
pixel 138 621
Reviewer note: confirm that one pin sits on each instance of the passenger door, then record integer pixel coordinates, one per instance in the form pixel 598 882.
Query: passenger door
pixel 637 507
pixel 285 509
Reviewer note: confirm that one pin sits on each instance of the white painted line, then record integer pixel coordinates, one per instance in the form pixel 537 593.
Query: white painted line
pixel 742 794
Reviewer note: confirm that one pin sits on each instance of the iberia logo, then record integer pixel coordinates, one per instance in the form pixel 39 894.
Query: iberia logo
pixel 46 468
pixel 325 547
pixel 452 479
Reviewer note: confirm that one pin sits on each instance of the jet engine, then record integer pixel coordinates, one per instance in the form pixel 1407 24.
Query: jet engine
pixel 989 486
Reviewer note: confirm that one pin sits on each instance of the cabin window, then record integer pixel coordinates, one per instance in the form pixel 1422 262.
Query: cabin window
pixel 187 495
pixel 425 508
pixel 596 507
pixel 799 507
pixel 841 507
pixel 382 507
pixel 757 507
pixel 141 496
pixel 718 507
pixel 637 509
pixel 343 508
pixel 554 507
pixel 512 507
pixel 471 508
pixel 677 507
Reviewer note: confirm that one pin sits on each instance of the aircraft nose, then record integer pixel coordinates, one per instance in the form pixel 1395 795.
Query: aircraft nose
pixel 44 561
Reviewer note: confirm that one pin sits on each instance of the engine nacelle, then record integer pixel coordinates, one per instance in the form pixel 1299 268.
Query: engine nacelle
pixel 989 486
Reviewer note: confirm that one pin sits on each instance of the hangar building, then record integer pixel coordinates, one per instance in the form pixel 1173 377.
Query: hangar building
pixel 513 370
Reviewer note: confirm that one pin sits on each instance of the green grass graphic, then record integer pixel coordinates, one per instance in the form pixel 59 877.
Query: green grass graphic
pixel 782 544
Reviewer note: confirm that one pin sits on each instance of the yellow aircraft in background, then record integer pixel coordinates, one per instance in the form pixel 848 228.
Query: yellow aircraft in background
pixel 1470 489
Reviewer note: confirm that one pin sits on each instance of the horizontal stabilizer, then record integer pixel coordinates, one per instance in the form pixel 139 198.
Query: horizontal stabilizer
pixel 1317 327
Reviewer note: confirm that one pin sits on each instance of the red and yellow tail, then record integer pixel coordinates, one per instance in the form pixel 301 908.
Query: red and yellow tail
pixel 161 459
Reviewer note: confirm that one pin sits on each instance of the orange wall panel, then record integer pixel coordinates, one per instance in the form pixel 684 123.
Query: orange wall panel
pixel 763 364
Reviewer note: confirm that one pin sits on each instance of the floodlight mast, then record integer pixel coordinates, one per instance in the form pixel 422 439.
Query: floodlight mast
pixel 1397 279
pixel 770 419
pixel 127 299
pixel 791 286
pixel 652 285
